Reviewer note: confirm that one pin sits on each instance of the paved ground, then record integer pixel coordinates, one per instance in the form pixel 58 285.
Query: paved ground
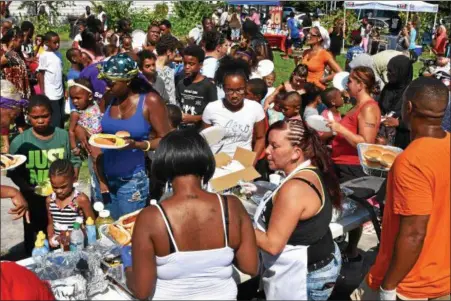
pixel 11 232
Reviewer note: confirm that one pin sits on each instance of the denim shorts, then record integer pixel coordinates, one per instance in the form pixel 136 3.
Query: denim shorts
pixel 96 195
pixel 128 194
pixel 320 283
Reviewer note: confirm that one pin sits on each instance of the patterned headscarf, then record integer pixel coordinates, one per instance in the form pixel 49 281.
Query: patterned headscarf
pixel 10 96
pixel 120 67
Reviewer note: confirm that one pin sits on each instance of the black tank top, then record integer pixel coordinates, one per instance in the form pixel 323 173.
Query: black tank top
pixel 315 231
pixel 336 42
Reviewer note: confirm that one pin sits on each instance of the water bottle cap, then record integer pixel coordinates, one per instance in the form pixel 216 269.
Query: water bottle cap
pixel 98 206
pixel 89 221
pixel 41 235
pixel 104 213
pixel 39 243
pixel 76 226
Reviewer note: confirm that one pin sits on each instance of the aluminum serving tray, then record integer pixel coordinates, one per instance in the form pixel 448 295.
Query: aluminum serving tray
pixel 105 237
pixel 372 171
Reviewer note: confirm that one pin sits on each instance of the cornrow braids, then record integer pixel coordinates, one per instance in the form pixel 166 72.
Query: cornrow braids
pixel 62 167
pixel 307 139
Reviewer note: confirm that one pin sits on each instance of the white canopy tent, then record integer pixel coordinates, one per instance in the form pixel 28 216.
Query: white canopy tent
pixel 407 6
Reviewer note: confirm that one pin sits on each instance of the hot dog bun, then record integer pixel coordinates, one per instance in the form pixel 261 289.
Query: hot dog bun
pixel 123 134
pixel 128 221
pixel 105 141
pixel 372 155
pixel 7 160
pixel 119 234
pixel 387 159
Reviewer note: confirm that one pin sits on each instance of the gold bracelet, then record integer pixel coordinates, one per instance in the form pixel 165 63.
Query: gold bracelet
pixel 148 146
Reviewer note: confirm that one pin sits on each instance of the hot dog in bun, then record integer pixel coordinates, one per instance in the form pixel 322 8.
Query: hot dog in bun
pixel 119 234
pixel 128 221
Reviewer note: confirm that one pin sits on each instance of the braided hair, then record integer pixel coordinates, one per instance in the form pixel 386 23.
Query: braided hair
pixel 61 167
pixel 307 139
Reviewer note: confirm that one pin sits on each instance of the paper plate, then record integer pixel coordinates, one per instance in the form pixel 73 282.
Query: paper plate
pixel 213 134
pixel 318 122
pixel 20 159
pixel 138 39
pixel 341 80
pixel 93 143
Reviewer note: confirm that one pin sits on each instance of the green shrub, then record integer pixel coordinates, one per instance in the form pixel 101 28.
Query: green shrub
pixel 141 18
pixel 187 14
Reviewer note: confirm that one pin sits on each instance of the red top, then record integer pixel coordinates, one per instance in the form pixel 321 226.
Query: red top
pixel 342 151
pixel 18 283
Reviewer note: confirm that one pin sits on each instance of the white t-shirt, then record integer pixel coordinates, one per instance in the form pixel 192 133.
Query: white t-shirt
pixel 223 18
pixel 209 67
pixel 53 76
pixel 77 38
pixel 239 125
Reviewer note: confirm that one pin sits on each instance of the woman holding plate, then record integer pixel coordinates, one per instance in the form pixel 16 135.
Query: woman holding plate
pixel 139 110
pixel 300 257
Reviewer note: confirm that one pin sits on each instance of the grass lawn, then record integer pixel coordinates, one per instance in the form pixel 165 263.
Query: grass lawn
pixel 64 36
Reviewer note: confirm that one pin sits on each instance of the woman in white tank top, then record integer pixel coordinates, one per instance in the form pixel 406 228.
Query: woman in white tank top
pixel 185 247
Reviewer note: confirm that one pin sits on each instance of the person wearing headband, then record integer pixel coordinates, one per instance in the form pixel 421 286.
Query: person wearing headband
pixel 136 108
pixel 317 58
pixel 11 104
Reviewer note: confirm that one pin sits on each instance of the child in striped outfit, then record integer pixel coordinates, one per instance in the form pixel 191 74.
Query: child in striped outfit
pixel 65 204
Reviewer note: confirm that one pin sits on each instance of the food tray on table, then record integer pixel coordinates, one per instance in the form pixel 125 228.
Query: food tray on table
pixel 376 160
pixel 105 236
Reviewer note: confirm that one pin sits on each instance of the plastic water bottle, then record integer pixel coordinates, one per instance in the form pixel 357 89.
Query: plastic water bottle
pixel 91 232
pixel 39 248
pixel 77 238
pixel 42 236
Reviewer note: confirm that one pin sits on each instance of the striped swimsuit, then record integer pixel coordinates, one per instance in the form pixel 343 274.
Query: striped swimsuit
pixel 65 216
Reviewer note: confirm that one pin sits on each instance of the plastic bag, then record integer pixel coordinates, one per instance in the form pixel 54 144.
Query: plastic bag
pixel 62 267
pixel 348 207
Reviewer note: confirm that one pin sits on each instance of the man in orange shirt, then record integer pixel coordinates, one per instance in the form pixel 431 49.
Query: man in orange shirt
pixel 414 256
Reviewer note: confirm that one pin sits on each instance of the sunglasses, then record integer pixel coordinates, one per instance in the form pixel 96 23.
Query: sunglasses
pixel 314 35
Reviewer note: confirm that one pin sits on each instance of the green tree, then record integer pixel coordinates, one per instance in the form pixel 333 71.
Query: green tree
pixel 115 10
pixel 189 13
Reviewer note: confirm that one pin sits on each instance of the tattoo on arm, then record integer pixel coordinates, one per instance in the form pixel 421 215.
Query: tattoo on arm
pixel 370 125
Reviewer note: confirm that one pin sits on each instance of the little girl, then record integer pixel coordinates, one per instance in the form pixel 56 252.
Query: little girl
pixel 65 204
pixel 41 144
pixel 87 115
pixel 297 82
pixel 333 100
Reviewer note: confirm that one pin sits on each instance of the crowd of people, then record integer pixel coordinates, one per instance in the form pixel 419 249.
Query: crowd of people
pixel 164 92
